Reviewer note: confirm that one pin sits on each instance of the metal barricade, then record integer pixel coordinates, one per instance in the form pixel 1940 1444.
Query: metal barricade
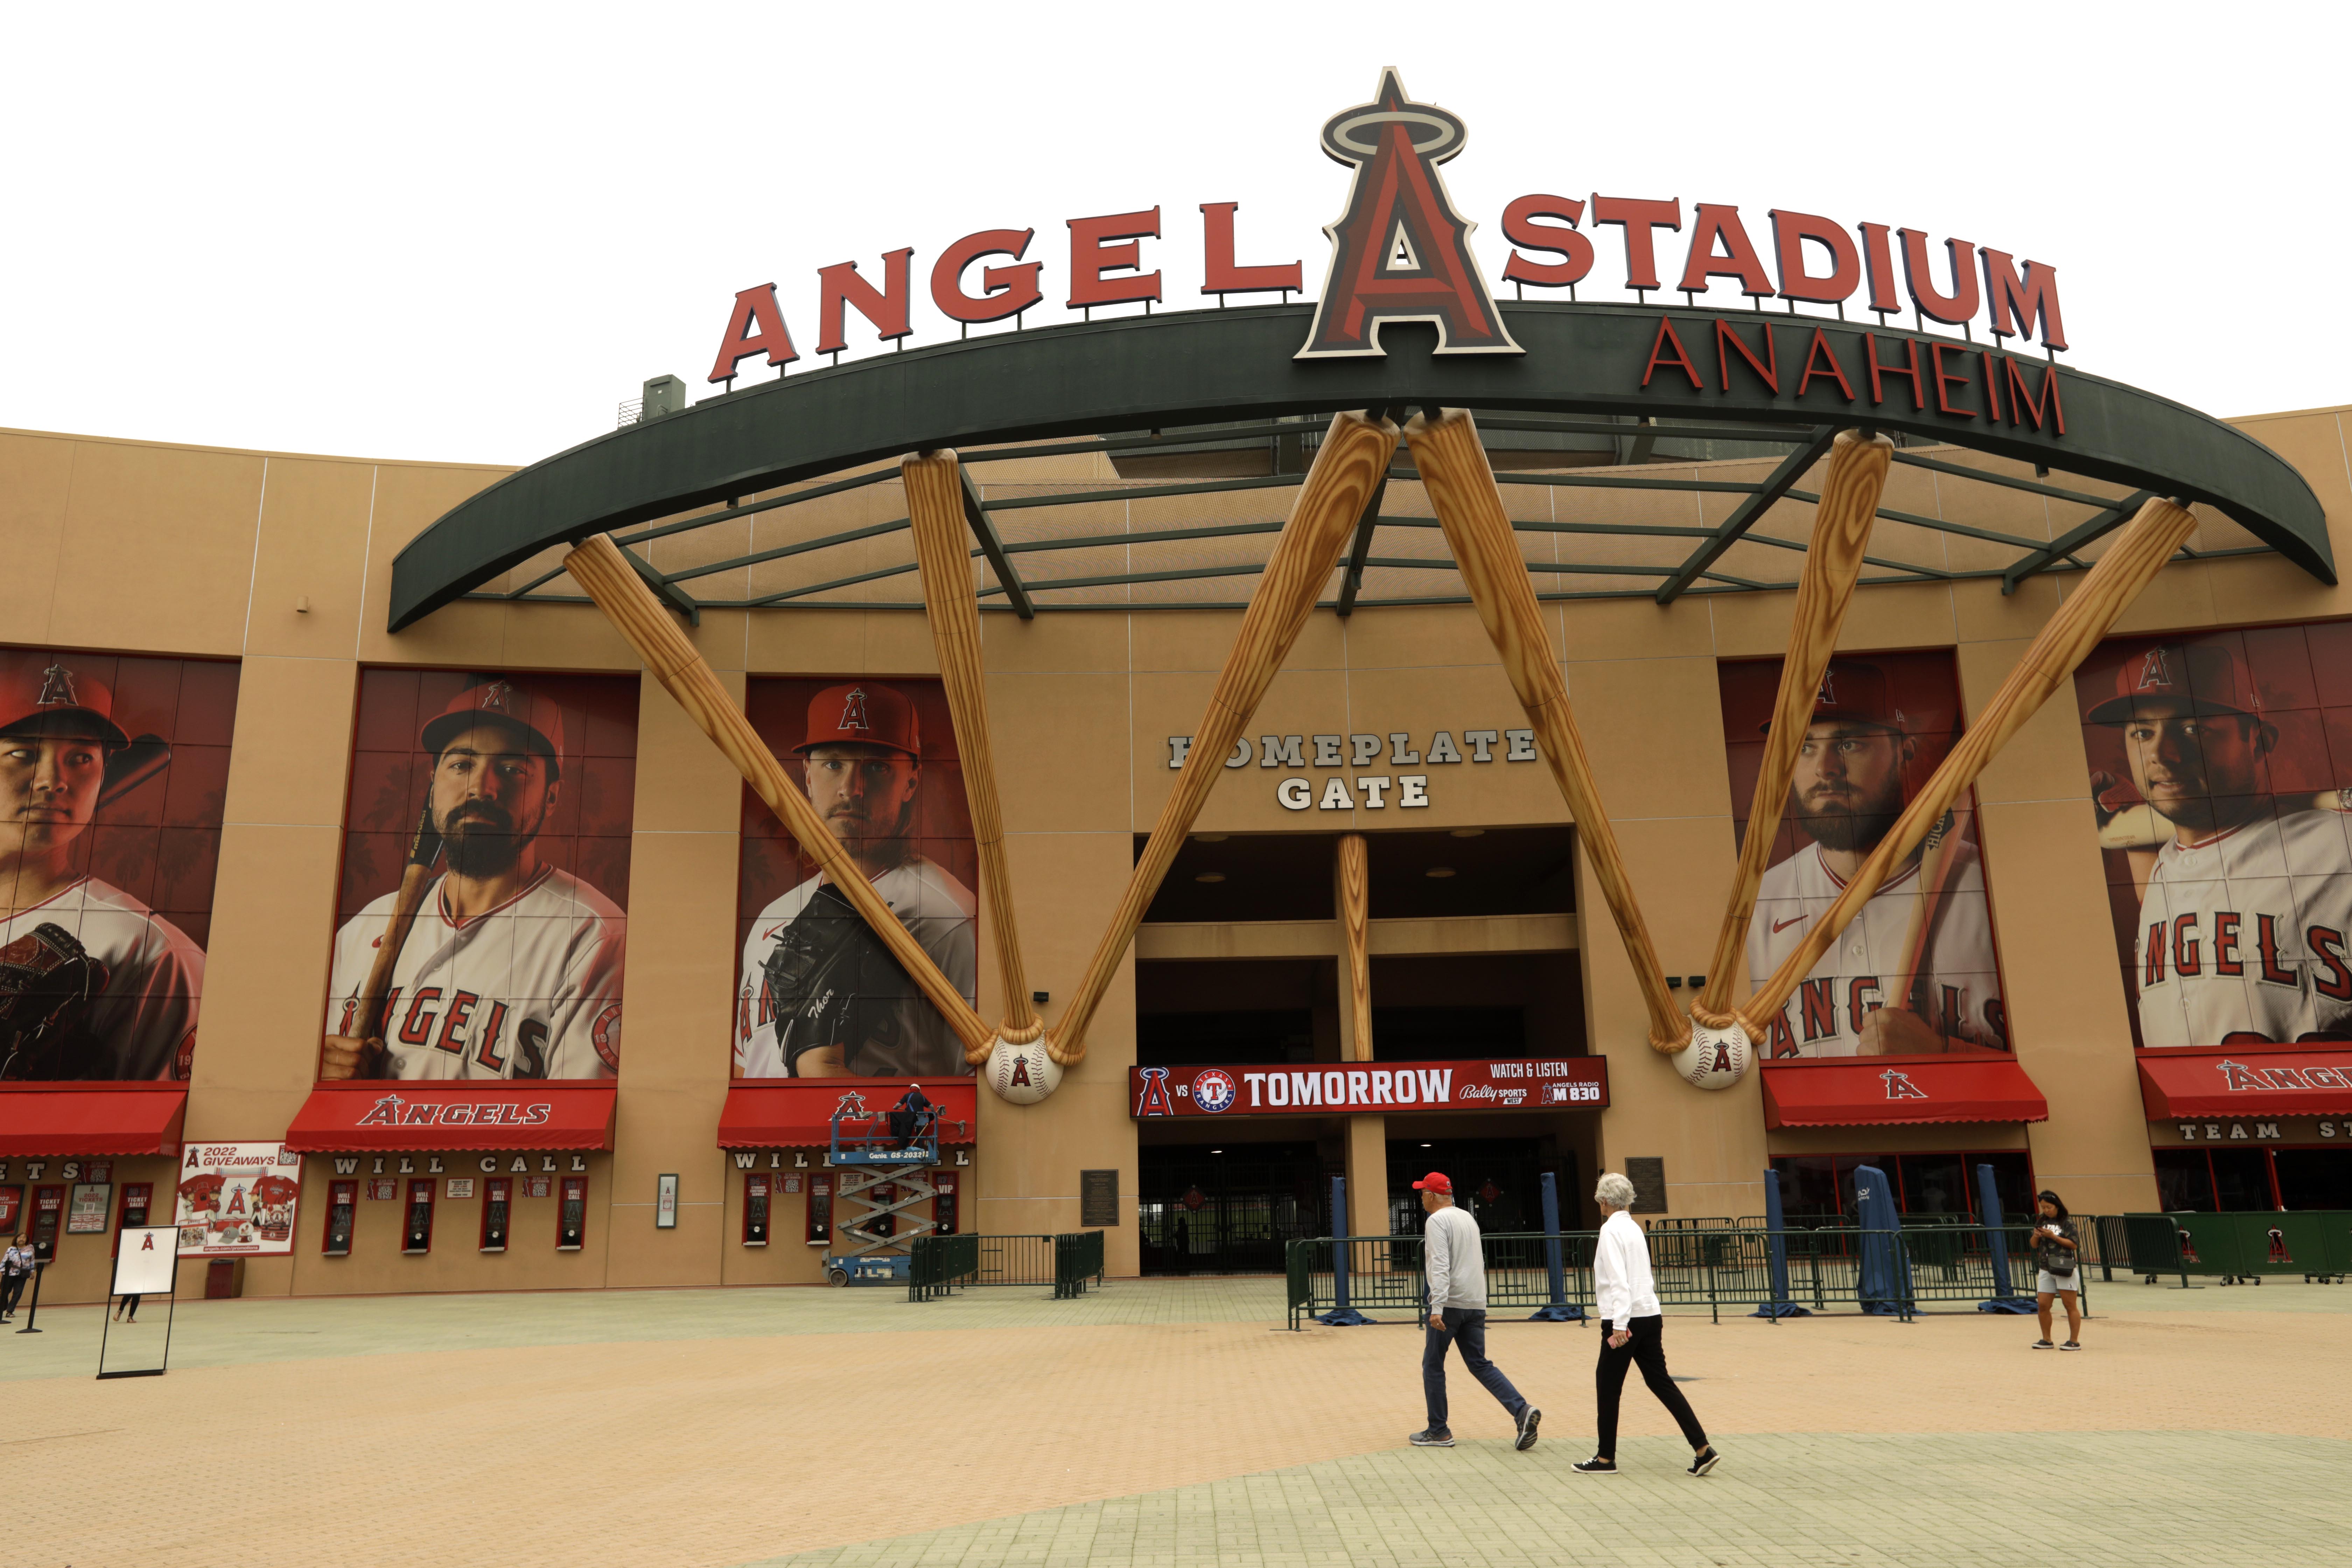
pixel 937 1265
pixel 1078 1257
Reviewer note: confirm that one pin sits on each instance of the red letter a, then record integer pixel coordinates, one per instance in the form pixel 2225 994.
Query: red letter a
pixel 754 308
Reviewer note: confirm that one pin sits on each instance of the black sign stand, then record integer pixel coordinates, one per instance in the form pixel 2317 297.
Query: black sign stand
pixel 33 1312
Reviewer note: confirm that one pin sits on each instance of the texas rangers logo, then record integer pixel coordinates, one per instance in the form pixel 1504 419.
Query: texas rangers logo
pixel 1400 252
pixel 1153 1099
pixel 1213 1090
pixel 2154 675
pixel 57 689
pixel 1900 1087
pixel 853 711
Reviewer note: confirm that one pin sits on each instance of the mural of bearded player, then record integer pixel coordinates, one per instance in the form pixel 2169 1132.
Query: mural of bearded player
pixel 818 995
pixel 2219 773
pixel 512 965
pixel 1916 971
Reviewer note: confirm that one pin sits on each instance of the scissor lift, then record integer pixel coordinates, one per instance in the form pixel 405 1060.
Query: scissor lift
pixel 868 1156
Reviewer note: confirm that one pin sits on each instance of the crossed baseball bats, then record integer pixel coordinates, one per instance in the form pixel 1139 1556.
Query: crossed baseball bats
pixel 1349 469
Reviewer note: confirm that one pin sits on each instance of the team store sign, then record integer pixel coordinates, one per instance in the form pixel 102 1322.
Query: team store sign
pixel 1373 792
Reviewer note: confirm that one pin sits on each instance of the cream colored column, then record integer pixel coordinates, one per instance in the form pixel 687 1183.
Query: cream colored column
pixel 1367 1135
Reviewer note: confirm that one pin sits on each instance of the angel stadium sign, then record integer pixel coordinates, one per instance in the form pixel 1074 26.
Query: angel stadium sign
pixel 1400 252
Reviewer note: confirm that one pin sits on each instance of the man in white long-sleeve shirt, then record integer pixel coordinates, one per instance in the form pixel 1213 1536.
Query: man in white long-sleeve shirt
pixel 1626 1297
pixel 1457 1315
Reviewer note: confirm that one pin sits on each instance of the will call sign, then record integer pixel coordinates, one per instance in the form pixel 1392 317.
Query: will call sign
pixel 1401 252
pixel 1521 1083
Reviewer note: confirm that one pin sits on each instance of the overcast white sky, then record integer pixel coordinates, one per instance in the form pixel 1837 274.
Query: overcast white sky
pixel 467 231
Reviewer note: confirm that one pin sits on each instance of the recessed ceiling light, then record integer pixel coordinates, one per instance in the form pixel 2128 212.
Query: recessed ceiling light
pixel 1440 872
pixel 1216 1150
pixel 1467 832
pixel 1210 877
pixel 1210 837
pixel 1426 1145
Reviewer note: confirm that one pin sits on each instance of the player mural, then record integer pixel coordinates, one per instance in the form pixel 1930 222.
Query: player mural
pixel 2218 766
pixel 817 994
pixel 112 775
pixel 1916 972
pixel 485 865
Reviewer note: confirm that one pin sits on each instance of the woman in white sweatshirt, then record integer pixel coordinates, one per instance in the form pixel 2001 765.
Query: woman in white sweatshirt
pixel 1627 1299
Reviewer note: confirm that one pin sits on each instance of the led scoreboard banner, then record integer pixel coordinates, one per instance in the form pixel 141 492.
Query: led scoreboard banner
pixel 1528 1083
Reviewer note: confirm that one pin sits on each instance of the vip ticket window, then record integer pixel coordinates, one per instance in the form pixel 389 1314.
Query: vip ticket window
pixel 417 1227
pixel 2220 777
pixel 943 1205
pixel 497 1200
pixel 342 1202
pixel 820 1211
pixel 48 1212
pixel 512 797
pixel 138 1198
pixel 571 1215
pixel 755 1208
pixel 817 994
pixel 1916 972
pixel 115 901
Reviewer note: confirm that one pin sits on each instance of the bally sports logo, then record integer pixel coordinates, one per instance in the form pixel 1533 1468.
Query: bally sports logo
pixel 394 1112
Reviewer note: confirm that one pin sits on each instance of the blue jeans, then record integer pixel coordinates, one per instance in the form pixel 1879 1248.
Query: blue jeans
pixel 1468 1328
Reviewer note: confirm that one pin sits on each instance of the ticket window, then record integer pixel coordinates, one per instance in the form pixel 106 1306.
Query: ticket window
pixel 342 1201
pixel 12 1208
pixel 48 1212
pixel 417 1238
pixel 571 1215
pixel 756 1187
pixel 820 1211
pixel 943 1206
pixel 138 1198
pixel 497 1209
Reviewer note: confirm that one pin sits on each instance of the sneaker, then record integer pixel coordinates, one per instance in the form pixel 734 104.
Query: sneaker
pixel 2072 1345
pixel 2043 1345
pixel 1528 1420
pixel 1432 1438
pixel 1596 1468
pixel 1706 1459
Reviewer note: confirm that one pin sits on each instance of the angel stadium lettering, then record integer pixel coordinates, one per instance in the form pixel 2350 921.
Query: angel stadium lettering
pixel 1510 1085
pixel 394 1112
pixel 2243 1079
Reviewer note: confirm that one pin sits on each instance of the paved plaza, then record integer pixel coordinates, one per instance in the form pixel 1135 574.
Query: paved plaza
pixel 1163 1423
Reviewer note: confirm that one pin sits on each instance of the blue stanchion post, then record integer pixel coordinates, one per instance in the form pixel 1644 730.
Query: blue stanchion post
pixel 1559 1309
pixel 1883 1291
pixel 1776 1247
pixel 2005 1298
pixel 1341 1315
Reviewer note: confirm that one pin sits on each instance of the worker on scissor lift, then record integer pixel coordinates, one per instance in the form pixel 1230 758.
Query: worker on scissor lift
pixel 906 1116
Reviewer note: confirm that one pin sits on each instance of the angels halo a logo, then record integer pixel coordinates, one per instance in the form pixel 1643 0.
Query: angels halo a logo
pixel 1214 1089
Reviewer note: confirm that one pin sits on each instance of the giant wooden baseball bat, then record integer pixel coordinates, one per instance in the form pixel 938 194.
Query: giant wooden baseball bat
pixel 935 507
pixel 1353 458
pixel 2139 552
pixel 1351 889
pixel 599 567
pixel 1469 507
pixel 1850 491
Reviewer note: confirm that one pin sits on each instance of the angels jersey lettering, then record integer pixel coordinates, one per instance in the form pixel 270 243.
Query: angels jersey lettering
pixel 530 989
pixel 913 1040
pixel 1853 978
pixel 2247 935
pixel 143 1025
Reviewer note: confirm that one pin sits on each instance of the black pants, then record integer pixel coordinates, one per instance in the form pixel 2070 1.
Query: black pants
pixel 11 1286
pixel 1646 1350
pixel 129 1307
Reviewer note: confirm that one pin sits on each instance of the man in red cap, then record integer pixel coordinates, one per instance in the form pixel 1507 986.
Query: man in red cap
pixel 1846 795
pixel 820 995
pixel 135 977
pixel 2245 920
pixel 1455 1261
pixel 513 968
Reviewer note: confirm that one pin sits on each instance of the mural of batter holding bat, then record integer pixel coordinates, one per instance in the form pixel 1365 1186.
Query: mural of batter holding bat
pixel 819 995
pixel 93 984
pixel 1916 971
pixel 503 965
pixel 2244 876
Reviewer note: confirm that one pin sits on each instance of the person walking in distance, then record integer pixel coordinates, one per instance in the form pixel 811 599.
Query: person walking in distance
pixel 1458 1316
pixel 1630 1325
pixel 16 1268
pixel 2056 1252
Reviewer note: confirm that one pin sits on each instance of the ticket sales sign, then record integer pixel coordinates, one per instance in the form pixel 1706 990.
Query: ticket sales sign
pixel 1518 1083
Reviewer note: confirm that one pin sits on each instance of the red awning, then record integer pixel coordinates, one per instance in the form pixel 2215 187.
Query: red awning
pixel 2247 1080
pixel 1893 1091
pixel 67 1118
pixel 458 1113
pixel 797 1112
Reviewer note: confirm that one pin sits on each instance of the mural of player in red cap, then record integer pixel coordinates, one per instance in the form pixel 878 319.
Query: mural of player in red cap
pixel 512 967
pixel 821 996
pixel 2245 895
pixel 1846 793
pixel 93 984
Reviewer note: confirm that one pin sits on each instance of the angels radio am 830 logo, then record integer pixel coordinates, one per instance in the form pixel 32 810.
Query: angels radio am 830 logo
pixel 1214 1089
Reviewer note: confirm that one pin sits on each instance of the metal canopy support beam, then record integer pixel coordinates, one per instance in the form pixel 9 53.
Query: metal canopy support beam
pixel 1360 550
pixel 1743 517
pixel 675 597
pixel 2073 538
pixel 984 528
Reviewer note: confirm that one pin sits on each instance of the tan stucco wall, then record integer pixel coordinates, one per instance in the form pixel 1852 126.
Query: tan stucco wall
pixel 128 546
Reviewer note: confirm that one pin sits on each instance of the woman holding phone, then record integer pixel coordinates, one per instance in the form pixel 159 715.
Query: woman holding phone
pixel 2057 1253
